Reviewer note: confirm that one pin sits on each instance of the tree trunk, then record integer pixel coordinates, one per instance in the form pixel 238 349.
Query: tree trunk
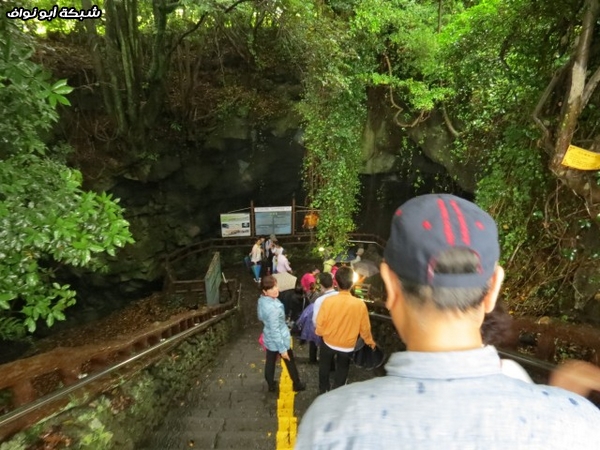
pixel 583 183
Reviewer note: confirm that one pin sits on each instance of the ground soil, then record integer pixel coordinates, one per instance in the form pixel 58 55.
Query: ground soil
pixel 136 316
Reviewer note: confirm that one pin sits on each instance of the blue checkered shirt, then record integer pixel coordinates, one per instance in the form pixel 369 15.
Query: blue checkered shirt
pixel 449 401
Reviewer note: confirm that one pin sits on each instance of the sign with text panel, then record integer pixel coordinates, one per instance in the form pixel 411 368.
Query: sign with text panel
pixel 273 220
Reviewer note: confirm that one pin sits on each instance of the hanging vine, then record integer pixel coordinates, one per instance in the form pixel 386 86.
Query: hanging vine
pixel 334 113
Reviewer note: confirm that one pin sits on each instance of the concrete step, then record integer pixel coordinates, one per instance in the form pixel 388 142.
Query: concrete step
pixel 193 422
pixel 217 433
pixel 239 440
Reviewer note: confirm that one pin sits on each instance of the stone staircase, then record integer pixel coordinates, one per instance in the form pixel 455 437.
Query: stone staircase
pixel 230 407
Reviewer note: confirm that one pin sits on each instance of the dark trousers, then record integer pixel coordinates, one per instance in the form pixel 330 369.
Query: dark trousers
pixel 290 365
pixel 327 356
pixel 312 352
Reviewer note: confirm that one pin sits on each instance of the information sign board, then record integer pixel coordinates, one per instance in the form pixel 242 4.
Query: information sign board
pixel 582 159
pixel 235 224
pixel 273 220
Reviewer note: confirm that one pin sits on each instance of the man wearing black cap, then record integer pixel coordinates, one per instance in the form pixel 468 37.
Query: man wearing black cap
pixel 447 391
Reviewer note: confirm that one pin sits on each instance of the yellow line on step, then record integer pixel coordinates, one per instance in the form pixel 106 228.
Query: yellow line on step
pixel 287 423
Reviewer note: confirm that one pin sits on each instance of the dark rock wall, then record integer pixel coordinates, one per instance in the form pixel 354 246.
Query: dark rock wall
pixel 174 196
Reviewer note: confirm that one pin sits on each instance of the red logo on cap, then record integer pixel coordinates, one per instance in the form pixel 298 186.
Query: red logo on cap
pixel 446 222
pixel 460 218
pixel 464 230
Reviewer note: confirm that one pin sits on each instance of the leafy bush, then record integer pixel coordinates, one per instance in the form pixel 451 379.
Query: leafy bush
pixel 46 219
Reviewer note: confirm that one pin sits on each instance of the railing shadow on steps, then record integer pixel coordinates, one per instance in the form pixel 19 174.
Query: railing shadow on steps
pixel 40 385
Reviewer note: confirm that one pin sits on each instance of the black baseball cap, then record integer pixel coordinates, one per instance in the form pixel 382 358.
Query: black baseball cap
pixel 426 226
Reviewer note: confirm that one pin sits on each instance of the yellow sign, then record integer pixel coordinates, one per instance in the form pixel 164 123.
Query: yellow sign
pixel 582 159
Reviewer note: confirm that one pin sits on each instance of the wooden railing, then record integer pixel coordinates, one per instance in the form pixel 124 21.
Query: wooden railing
pixel 192 291
pixel 39 385
pixel 556 340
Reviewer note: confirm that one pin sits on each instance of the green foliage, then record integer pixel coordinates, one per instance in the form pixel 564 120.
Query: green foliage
pixel 46 219
pixel 11 328
pixel 487 50
pixel 28 97
pixel 334 112
pixel 511 188
pixel 498 58
pixel 91 429
pixel 404 32
pixel 485 62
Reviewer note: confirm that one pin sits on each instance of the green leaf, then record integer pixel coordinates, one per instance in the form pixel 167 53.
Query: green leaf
pixel 30 324
pixel 63 100
pixel 5 297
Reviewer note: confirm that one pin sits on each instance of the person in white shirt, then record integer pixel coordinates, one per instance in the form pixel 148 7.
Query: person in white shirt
pixel 277 250
pixel 283 264
pixel 256 255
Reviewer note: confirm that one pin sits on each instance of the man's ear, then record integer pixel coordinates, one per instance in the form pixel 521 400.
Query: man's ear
pixel 392 285
pixel 489 301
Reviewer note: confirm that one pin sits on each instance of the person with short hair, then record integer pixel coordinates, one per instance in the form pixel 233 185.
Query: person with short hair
pixel 307 333
pixel 340 320
pixel 447 391
pixel 276 334
pixel 309 280
pixel 268 254
pixel 327 290
pixel 277 250
pixel 358 256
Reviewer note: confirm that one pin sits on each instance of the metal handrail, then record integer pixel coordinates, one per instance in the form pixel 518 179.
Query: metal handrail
pixel 24 410
pixel 42 401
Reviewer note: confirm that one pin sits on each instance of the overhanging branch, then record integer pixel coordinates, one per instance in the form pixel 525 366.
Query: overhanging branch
pixel 423 115
pixel 547 140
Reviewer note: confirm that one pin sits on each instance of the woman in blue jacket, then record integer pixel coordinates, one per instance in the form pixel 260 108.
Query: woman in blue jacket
pixel 277 338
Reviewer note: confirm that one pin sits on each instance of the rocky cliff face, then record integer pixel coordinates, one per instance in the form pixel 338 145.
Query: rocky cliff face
pixel 176 197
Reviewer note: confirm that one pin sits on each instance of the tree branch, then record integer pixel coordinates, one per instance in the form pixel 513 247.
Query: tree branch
pixel 590 87
pixel 200 21
pixel 573 104
pixel 234 5
pixel 448 123
pixel 421 117
pixel 187 33
pixel 547 140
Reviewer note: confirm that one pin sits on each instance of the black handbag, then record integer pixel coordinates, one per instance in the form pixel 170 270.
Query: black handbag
pixel 365 357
